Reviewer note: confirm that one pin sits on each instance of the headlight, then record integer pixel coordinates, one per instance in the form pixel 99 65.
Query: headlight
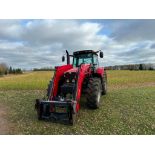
pixel 70 77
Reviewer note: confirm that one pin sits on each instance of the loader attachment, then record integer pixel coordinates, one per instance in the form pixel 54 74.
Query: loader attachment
pixel 56 111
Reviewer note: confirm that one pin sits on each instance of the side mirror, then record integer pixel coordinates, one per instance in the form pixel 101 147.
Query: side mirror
pixel 101 54
pixel 63 58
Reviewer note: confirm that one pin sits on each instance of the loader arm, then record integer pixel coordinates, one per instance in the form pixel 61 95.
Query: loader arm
pixel 59 71
pixel 83 71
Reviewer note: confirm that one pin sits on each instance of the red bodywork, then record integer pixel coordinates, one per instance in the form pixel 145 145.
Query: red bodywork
pixel 72 70
pixel 83 71
pixel 64 90
pixel 59 71
pixel 100 71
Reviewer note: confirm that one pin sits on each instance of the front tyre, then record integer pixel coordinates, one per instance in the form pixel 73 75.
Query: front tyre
pixel 93 94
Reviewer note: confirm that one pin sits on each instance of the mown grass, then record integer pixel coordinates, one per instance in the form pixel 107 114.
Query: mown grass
pixel 26 81
pixel 128 108
pixel 39 80
pixel 119 79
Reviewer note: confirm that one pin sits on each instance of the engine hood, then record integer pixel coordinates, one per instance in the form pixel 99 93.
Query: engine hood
pixel 73 70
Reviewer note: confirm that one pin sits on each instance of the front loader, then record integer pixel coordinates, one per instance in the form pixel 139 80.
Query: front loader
pixel 70 81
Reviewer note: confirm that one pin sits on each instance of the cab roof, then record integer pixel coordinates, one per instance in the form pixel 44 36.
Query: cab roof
pixel 84 52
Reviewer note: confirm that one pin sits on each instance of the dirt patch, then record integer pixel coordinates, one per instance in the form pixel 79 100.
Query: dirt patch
pixel 4 125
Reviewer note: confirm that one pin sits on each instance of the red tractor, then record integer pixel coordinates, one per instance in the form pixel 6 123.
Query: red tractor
pixel 64 91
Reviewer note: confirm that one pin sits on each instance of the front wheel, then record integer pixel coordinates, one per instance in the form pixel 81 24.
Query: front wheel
pixel 94 93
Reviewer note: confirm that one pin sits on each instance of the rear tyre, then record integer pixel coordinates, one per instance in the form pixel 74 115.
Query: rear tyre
pixel 104 84
pixel 93 93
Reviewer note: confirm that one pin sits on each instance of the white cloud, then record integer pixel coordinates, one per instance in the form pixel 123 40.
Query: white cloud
pixel 133 30
pixel 10 29
pixel 71 35
pixel 41 43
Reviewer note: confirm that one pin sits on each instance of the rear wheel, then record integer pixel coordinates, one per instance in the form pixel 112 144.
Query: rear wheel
pixel 93 93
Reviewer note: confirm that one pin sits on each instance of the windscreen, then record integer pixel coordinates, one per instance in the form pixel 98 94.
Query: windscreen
pixel 82 59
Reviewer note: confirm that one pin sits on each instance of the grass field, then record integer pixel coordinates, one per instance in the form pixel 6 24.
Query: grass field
pixel 128 108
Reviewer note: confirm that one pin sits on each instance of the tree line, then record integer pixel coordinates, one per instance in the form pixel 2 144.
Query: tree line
pixel 44 69
pixel 4 70
pixel 132 67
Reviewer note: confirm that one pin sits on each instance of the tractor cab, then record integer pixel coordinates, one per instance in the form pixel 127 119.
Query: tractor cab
pixel 84 57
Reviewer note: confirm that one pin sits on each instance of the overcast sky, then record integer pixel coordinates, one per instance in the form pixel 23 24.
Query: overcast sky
pixel 41 43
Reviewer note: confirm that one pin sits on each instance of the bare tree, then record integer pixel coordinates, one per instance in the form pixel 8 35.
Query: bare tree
pixel 3 68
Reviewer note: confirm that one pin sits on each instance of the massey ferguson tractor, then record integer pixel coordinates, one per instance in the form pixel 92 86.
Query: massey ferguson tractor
pixel 69 82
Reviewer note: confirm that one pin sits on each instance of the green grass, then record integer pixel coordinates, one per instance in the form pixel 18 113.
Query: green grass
pixel 128 108
pixel 26 81
pixel 127 79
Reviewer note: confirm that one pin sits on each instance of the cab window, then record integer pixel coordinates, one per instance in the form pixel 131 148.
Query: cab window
pixel 82 59
pixel 95 60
